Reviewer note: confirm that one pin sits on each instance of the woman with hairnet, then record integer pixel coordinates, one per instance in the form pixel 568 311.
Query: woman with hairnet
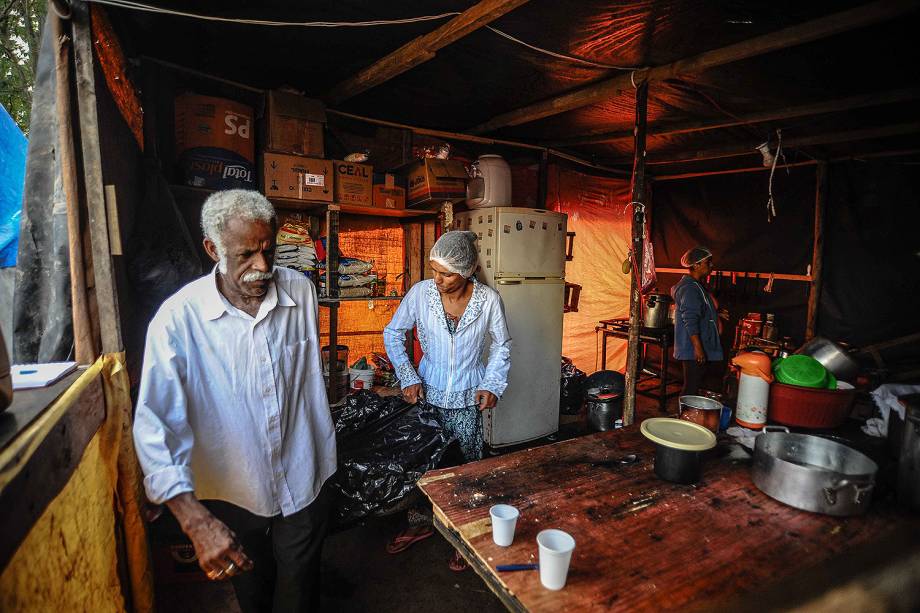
pixel 696 320
pixel 454 315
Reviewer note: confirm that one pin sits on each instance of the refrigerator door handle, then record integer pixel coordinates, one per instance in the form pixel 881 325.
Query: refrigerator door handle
pixel 509 281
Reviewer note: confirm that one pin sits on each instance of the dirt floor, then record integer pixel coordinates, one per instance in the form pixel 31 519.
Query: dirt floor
pixel 358 574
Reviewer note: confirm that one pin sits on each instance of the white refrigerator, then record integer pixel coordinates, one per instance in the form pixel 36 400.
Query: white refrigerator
pixel 522 256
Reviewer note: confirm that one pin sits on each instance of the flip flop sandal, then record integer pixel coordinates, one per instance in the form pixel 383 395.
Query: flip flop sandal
pixel 408 537
pixel 457 563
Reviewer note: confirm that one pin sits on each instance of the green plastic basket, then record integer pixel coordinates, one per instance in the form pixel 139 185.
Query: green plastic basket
pixel 802 370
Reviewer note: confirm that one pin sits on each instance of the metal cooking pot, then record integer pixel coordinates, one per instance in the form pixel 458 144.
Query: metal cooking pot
pixel 832 356
pixel 812 473
pixel 604 410
pixel 656 310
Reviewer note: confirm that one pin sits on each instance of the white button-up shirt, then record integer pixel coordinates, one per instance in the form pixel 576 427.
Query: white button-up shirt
pixel 233 407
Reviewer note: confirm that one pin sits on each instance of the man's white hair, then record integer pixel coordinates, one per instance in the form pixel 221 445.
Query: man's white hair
pixel 221 207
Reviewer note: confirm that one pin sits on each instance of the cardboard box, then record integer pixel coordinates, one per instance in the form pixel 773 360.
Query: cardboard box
pixel 296 177
pixel 389 191
pixel 354 183
pixel 295 124
pixel 214 142
pixel 432 181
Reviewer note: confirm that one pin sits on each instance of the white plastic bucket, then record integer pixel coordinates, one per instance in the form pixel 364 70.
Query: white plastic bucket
pixel 360 379
pixel 753 398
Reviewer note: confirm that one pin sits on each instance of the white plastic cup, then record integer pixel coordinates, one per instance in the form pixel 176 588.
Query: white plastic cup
pixel 556 549
pixel 504 520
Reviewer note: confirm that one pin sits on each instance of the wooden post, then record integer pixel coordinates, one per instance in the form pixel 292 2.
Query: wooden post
pixel 817 256
pixel 106 291
pixel 332 291
pixel 85 350
pixel 638 228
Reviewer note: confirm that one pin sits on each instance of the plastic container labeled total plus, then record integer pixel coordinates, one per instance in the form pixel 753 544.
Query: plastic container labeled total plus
pixel 753 398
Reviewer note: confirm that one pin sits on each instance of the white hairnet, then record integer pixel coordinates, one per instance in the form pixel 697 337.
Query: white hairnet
pixel 695 256
pixel 456 251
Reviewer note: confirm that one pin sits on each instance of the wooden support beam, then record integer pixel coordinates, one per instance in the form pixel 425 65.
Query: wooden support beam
pixel 846 136
pixel 638 227
pixel 817 255
pixel 830 106
pixel 106 291
pixel 422 49
pixel 478 139
pixel 807 32
pixel 761 168
pixel 85 347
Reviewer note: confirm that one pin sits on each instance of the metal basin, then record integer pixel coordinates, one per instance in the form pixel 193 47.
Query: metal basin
pixel 812 473
pixel 832 356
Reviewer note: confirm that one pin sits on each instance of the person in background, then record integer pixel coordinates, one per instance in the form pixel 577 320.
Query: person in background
pixel 232 428
pixel 454 315
pixel 696 320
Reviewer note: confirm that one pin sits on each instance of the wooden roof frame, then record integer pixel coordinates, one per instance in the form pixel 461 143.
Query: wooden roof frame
pixel 421 49
pixel 809 31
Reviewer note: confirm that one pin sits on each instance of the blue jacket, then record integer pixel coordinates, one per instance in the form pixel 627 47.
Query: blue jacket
pixel 695 314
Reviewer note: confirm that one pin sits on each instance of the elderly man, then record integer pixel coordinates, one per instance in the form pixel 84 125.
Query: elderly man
pixel 233 428
pixel 696 321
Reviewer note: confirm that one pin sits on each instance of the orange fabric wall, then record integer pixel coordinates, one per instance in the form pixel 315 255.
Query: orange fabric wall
pixel 599 215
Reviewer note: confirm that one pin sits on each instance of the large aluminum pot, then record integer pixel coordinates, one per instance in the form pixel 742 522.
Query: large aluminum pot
pixel 832 356
pixel 812 473
pixel 656 310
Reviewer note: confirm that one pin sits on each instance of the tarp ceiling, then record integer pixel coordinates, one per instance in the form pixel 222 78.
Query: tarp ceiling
pixel 483 74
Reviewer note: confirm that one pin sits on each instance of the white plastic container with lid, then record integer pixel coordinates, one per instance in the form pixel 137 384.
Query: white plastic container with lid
pixel 490 184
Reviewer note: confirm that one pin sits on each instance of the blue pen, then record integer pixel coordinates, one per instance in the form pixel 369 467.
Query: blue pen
pixel 27 372
pixel 512 567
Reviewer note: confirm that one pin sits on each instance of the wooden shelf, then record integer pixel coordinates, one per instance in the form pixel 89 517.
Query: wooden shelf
pixel 327 300
pixel 319 207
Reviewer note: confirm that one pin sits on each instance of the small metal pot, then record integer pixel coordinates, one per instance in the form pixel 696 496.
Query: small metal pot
pixel 604 411
pixel 812 473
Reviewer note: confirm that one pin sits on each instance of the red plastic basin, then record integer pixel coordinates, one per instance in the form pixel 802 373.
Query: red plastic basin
pixel 808 407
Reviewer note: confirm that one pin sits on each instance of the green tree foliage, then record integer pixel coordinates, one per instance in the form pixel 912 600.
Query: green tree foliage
pixel 20 40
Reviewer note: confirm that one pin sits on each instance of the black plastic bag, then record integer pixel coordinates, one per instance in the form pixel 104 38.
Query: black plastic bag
pixel 572 388
pixel 385 445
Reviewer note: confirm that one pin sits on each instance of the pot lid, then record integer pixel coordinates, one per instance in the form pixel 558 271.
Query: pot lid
pixel 678 434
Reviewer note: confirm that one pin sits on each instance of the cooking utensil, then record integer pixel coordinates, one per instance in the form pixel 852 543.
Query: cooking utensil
pixel 812 473
pixel 656 310
pixel 700 410
pixel 679 446
pixel 832 356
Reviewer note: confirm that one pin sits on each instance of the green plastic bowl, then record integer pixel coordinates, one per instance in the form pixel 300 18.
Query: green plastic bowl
pixel 802 370
pixel 831 381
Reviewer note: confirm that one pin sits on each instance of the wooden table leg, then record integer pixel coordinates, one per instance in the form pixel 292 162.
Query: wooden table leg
pixel 603 350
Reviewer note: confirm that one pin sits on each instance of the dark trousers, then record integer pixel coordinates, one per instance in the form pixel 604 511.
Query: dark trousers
pixel 694 373
pixel 285 551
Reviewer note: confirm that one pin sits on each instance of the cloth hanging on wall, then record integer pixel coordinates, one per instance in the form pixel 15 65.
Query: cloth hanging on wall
pixel 599 215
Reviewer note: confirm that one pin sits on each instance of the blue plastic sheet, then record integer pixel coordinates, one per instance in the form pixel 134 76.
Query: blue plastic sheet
pixel 12 176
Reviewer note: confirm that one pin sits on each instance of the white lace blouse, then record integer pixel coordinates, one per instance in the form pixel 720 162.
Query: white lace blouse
pixel 452 369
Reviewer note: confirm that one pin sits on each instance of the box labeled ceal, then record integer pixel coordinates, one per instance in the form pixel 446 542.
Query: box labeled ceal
pixel 353 183
pixel 297 177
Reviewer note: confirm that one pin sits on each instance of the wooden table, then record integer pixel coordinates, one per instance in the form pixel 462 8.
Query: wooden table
pixel 641 543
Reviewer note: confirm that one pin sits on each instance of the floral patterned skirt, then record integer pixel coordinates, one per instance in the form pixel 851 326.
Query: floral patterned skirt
pixel 466 426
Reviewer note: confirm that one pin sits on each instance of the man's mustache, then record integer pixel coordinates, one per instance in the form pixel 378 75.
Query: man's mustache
pixel 255 275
